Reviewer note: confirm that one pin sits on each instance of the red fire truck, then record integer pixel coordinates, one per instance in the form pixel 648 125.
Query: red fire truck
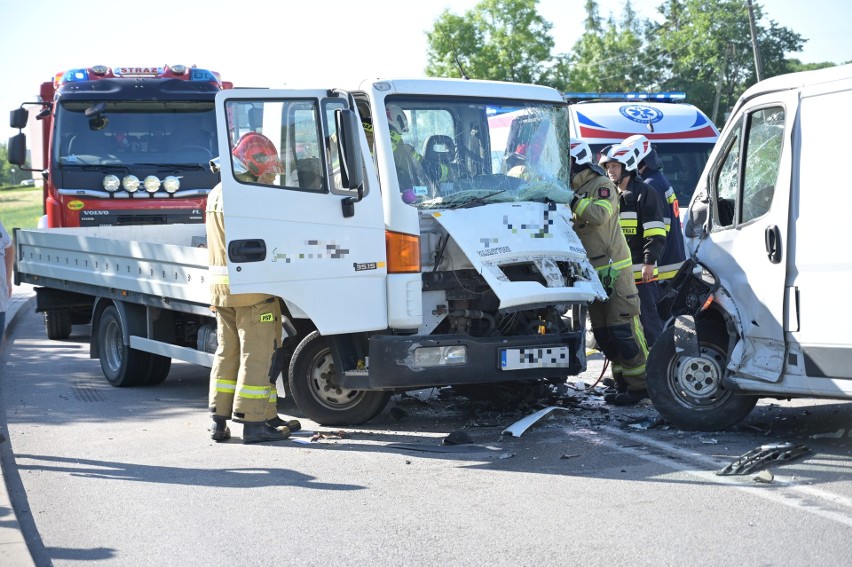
pixel 123 145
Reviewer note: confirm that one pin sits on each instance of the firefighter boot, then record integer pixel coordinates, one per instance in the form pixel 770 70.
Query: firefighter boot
pixel 220 431
pixel 261 433
pixel 626 398
pixel 292 424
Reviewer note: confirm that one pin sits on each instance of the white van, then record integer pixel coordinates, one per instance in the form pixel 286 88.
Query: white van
pixel 760 309
pixel 682 135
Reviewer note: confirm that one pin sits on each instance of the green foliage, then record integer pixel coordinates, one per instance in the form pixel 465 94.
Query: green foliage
pixel 701 47
pixel 503 40
pixel 10 174
pixel 20 207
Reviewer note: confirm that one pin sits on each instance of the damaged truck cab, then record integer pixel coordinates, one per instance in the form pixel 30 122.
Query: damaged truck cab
pixel 412 244
pixel 757 310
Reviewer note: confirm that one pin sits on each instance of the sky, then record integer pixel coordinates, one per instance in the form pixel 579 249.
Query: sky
pixel 323 44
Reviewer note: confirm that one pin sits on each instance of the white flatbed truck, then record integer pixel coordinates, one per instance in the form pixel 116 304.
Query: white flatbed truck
pixel 391 280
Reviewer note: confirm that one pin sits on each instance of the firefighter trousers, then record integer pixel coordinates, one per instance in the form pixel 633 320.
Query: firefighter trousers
pixel 618 332
pixel 240 377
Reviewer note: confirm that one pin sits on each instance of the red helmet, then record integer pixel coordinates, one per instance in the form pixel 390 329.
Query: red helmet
pixel 256 154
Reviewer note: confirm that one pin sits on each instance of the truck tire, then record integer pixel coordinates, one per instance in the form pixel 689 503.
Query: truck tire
pixel 313 382
pixel 158 369
pixel 57 324
pixel 123 366
pixel 688 392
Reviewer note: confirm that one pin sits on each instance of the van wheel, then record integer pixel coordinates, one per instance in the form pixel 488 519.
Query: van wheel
pixel 313 382
pixel 688 391
pixel 123 366
pixel 57 324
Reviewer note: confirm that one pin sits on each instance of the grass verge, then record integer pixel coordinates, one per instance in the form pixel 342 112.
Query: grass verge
pixel 20 207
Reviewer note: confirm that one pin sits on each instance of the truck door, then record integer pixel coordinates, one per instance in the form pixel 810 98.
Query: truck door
pixel 746 245
pixel 286 231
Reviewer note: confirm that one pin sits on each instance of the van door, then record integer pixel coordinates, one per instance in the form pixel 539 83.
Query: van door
pixel 288 235
pixel 746 245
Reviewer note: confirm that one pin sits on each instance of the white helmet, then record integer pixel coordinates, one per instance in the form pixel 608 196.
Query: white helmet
pixel 581 152
pixel 397 118
pixel 625 155
pixel 640 144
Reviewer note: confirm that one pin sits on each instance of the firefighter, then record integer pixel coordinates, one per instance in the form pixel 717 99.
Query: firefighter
pixel 641 217
pixel 248 326
pixel 615 322
pixel 650 170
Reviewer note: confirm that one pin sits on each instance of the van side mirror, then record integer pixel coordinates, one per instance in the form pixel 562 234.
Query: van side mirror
pixel 351 161
pixel 18 118
pixel 17 149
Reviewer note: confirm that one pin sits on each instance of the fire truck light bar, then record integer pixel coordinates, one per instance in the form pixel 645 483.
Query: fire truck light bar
pixel 165 72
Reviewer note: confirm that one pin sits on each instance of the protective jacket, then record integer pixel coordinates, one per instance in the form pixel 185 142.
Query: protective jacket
pixel 674 253
pixel 642 223
pixel 595 207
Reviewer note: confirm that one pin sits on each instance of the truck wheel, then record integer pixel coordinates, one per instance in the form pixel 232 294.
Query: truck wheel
pixel 158 369
pixel 688 391
pixel 122 366
pixel 57 323
pixel 314 385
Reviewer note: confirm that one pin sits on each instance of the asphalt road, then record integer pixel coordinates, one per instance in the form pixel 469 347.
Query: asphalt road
pixel 109 476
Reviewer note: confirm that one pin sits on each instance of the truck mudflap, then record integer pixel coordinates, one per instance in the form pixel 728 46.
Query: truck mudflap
pixel 396 365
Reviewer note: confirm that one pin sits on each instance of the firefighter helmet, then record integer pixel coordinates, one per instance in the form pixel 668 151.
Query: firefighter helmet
pixel 640 144
pixel 255 154
pixel 581 152
pixel 620 153
pixel 397 118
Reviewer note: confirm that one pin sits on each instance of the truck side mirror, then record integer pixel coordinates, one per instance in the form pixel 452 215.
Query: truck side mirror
pixel 18 117
pixel 351 161
pixel 17 149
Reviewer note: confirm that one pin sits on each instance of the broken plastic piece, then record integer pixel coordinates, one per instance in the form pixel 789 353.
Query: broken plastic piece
pixel 517 429
pixel 762 456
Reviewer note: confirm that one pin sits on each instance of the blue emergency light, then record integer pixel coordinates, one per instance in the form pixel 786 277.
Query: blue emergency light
pixel 670 96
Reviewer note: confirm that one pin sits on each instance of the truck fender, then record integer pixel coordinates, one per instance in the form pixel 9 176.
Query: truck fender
pixel 132 321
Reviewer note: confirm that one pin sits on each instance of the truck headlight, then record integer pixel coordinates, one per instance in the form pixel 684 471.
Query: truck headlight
pixel 440 356
pixel 111 183
pixel 130 183
pixel 152 184
pixel 171 184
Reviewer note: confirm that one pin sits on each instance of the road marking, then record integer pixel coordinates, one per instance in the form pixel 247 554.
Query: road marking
pixel 802 498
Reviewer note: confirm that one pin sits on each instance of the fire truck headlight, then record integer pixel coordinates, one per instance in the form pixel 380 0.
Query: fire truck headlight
pixel 152 184
pixel 130 183
pixel 111 183
pixel 171 184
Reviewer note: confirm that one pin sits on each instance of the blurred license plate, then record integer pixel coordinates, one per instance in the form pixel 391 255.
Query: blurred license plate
pixel 534 357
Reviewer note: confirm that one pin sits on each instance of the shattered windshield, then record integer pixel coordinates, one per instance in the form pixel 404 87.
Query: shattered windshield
pixel 175 133
pixel 452 153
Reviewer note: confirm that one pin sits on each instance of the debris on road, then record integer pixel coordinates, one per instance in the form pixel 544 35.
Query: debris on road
pixel 762 456
pixel 320 435
pixel 764 477
pixel 517 429
pixel 834 435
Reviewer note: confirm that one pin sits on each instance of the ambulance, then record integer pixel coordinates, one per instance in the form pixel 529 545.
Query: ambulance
pixel 681 133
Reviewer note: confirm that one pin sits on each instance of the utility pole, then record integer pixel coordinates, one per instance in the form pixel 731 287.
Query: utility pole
pixel 729 52
pixel 758 66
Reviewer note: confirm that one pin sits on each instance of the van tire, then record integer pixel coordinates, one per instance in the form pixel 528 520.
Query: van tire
pixel 695 403
pixel 57 324
pixel 312 380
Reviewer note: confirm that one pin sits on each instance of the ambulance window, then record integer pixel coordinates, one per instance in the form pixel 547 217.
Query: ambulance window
pixel 762 160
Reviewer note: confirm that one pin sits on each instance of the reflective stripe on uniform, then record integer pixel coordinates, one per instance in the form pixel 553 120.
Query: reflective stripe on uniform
pixel 637 272
pixel 226 386
pixel 668 271
pixel 254 392
pixel 620 265
pixel 653 228
pixel 218 275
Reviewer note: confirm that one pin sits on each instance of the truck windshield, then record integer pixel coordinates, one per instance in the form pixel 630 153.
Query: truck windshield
pixel 172 134
pixel 451 153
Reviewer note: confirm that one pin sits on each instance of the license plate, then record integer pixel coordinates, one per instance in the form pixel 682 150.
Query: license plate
pixel 534 357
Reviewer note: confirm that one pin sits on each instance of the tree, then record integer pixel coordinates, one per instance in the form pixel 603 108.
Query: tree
pixel 703 45
pixel 610 57
pixel 503 40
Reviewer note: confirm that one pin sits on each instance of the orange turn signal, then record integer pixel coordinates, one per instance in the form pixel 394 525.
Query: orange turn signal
pixel 403 252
